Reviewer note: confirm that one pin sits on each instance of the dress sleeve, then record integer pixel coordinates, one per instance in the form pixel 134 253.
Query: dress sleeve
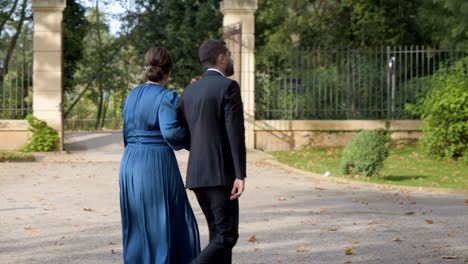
pixel 174 134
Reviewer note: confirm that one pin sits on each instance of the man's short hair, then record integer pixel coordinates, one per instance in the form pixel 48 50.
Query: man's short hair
pixel 209 52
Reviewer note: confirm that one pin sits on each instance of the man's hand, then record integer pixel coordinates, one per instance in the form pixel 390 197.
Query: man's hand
pixel 237 189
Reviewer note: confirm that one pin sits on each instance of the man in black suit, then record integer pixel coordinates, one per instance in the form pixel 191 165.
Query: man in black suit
pixel 213 112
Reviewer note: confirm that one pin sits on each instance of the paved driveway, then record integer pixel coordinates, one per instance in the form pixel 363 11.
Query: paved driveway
pixel 65 209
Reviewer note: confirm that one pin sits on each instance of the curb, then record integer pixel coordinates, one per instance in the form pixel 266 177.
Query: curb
pixel 274 162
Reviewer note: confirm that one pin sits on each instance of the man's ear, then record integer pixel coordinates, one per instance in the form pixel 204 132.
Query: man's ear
pixel 221 58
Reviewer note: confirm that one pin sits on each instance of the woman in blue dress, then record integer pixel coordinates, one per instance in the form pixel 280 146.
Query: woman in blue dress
pixel 158 224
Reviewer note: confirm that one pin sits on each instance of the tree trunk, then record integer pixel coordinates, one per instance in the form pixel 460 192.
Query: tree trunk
pixel 101 99
pixel 101 90
pixel 104 110
pixel 12 46
pixel 3 22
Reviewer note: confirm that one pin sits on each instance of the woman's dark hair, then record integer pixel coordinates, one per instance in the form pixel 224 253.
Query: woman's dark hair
pixel 210 50
pixel 158 62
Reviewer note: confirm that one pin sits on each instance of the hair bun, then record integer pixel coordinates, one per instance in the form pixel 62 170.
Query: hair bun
pixel 154 72
pixel 158 63
pixel 158 72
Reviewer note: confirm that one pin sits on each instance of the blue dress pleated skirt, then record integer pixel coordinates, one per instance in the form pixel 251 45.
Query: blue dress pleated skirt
pixel 158 224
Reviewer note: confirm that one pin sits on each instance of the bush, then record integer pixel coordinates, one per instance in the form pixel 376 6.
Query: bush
pixel 444 111
pixel 44 138
pixel 365 153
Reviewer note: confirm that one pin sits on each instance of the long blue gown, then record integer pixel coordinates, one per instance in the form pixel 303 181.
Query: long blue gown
pixel 158 224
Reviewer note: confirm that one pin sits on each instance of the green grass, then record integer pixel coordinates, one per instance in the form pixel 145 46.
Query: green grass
pixel 405 166
pixel 11 156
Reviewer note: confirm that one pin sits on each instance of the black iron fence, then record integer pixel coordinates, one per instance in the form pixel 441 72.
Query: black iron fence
pixel 345 83
pixel 16 91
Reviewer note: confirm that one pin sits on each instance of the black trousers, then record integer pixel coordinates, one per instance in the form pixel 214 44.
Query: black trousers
pixel 222 216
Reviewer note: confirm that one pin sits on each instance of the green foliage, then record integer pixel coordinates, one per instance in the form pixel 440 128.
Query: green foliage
pixel 444 111
pixel 104 75
pixel 465 157
pixel 378 23
pixel 444 22
pixel 181 27
pixel 113 64
pixel 74 31
pixel 44 138
pixel 281 24
pixel 365 154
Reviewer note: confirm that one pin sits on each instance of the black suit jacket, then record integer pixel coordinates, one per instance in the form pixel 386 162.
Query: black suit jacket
pixel 213 113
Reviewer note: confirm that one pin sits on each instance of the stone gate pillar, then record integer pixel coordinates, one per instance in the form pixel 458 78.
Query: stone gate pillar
pixel 243 11
pixel 47 63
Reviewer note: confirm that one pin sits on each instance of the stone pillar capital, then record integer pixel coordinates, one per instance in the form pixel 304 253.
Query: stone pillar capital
pixel 238 6
pixel 48 5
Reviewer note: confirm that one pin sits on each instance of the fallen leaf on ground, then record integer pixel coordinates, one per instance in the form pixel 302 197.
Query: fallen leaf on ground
pixel 261 164
pixel 347 262
pixel 301 249
pixel 396 239
pixel 449 257
pixel 413 202
pixel 429 221
pixel 451 234
pixel 354 200
pixel 113 251
pixel 252 239
pixel 87 209
pixel 31 231
pixel 409 213
pixel 348 251
pixel 320 189
pixel 282 198
pixel 332 229
pixel 466 200
pixel 256 249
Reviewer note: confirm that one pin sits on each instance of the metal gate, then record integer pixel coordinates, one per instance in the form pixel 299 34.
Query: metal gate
pixel 325 83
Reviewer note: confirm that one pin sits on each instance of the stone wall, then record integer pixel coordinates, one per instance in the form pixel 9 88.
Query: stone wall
pixel 272 135
pixel 13 134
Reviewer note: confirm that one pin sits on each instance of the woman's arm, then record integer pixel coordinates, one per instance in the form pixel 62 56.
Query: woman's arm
pixel 124 125
pixel 174 134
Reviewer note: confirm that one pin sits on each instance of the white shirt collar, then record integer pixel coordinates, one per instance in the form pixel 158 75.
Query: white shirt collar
pixel 216 70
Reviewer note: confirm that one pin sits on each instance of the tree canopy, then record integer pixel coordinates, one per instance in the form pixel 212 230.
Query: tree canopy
pixel 102 63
